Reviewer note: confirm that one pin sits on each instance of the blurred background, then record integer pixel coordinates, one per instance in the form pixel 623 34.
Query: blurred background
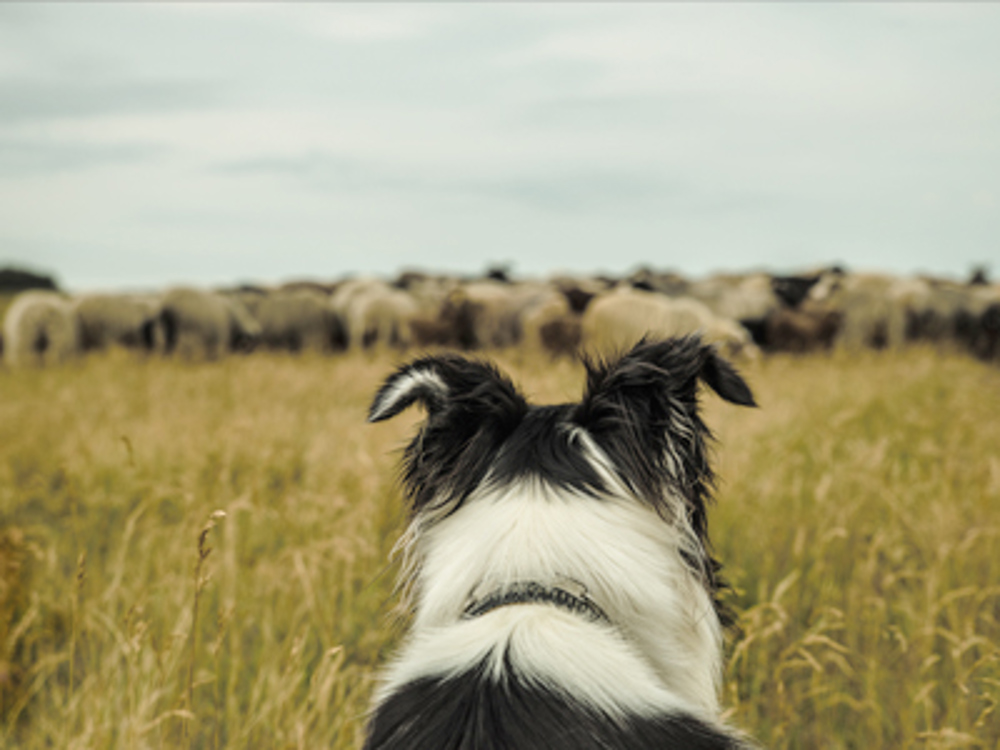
pixel 147 145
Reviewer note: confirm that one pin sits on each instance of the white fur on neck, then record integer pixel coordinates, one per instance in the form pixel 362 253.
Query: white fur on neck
pixel 552 648
pixel 663 649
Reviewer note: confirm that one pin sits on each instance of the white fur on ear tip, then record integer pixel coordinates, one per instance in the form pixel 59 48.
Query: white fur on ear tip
pixel 406 388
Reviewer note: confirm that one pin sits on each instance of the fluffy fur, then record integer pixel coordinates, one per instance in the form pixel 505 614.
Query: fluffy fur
pixel 558 559
pixel 40 328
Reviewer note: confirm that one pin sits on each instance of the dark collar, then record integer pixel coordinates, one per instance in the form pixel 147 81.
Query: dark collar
pixel 531 592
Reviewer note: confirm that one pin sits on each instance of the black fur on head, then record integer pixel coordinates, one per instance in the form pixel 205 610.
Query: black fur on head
pixel 472 409
pixel 641 410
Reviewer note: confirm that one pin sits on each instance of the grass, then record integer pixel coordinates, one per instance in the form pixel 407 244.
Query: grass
pixel 858 515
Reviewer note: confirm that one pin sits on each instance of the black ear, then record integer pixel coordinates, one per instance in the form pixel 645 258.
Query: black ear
pixel 642 410
pixel 655 369
pixel 722 378
pixel 471 410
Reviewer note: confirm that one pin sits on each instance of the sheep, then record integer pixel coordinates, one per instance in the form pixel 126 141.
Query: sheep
pixel 808 327
pixel 551 325
pixel 40 328
pixel 870 316
pixel 750 298
pixel 202 324
pixel 130 321
pixel 614 321
pixel 375 313
pixel 299 319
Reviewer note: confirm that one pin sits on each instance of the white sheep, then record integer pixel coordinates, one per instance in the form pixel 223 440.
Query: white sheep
pixel 40 328
pixel 615 321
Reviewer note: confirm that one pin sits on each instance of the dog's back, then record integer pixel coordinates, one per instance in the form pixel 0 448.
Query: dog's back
pixel 564 595
pixel 472 711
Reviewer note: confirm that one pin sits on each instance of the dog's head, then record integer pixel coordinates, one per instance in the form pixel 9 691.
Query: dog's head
pixel 637 428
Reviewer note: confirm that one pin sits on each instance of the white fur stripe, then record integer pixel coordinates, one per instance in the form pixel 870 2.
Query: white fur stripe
pixel 404 387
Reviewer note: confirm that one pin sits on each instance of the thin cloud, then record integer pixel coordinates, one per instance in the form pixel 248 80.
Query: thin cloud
pixel 21 158
pixel 27 100
pixel 340 22
pixel 564 190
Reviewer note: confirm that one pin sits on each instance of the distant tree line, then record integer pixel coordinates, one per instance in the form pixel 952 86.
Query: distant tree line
pixel 13 280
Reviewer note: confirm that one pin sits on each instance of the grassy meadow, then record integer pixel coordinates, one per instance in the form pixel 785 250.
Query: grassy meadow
pixel 197 555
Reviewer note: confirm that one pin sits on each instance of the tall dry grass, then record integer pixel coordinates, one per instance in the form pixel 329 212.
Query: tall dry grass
pixel 858 517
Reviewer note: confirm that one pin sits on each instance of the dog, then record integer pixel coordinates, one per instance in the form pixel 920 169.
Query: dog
pixel 563 590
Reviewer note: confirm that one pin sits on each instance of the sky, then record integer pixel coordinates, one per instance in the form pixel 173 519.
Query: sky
pixel 146 145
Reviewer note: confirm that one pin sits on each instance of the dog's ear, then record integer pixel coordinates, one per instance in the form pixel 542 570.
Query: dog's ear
pixel 642 410
pixel 670 368
pixel 722 378
pixel 419 381
pixel 471 410
pixel 448 383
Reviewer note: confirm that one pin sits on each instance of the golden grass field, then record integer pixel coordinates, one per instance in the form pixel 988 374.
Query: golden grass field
pixel 858 517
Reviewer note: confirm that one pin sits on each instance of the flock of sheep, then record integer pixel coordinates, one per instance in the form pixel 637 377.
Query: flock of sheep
pixel 743 313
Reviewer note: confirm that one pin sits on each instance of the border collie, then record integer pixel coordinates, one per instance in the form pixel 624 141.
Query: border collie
pixel 557 560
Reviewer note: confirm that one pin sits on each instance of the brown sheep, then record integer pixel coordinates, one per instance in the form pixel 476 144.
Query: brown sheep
pixel 807 328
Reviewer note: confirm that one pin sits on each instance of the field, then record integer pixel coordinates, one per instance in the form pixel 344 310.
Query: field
pixel 197 555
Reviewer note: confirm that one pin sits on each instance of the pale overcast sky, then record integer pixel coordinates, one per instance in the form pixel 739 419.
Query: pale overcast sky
pixel 148 144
